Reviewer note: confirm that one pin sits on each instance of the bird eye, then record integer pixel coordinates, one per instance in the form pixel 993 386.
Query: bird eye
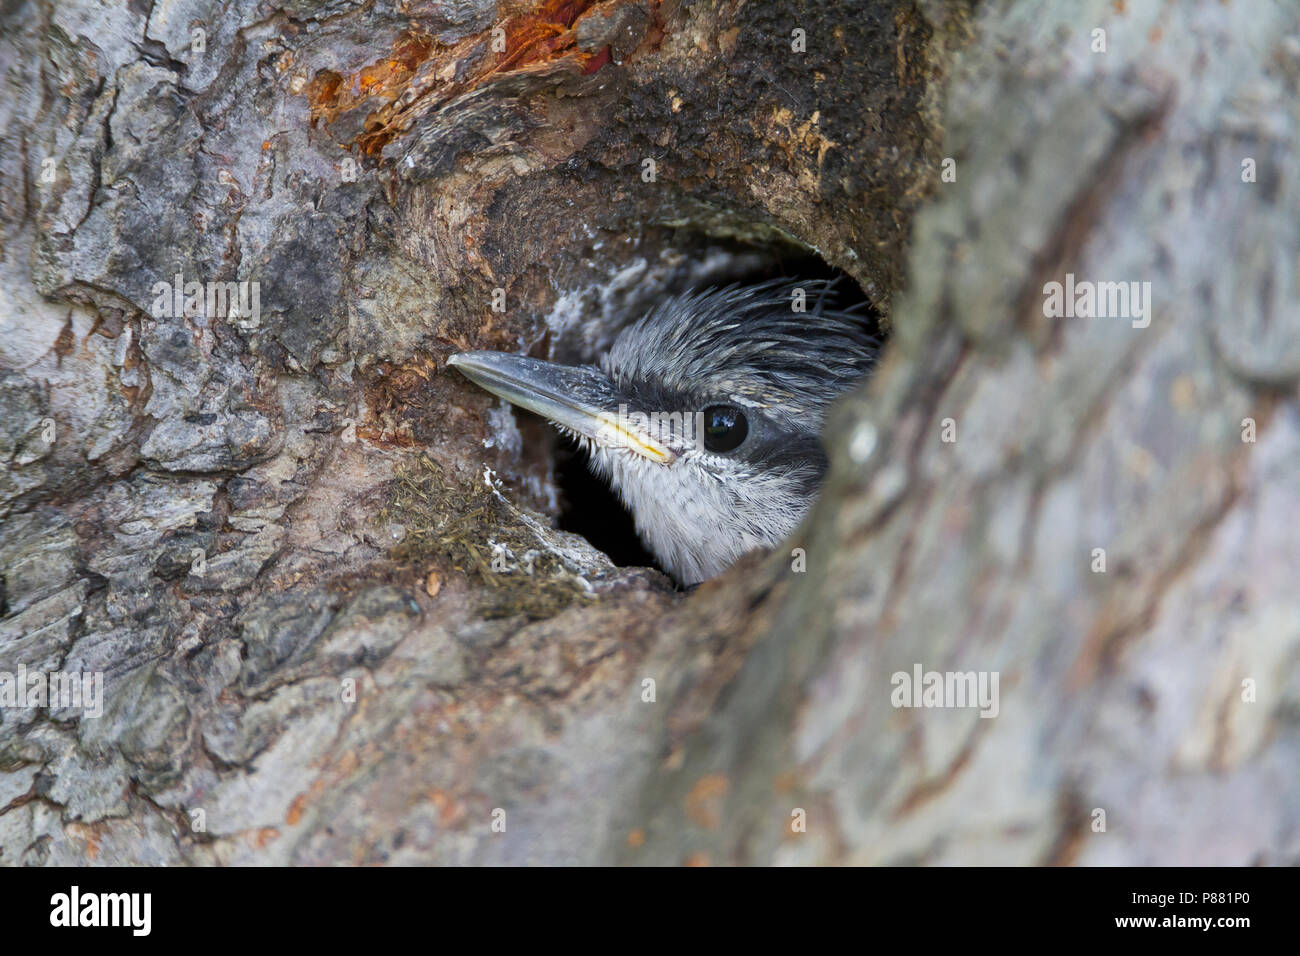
pixel 725 427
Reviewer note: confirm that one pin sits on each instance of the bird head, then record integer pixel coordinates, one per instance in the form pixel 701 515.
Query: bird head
pixel 705 415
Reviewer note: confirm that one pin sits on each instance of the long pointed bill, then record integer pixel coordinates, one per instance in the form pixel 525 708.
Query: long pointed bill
pixel 580 398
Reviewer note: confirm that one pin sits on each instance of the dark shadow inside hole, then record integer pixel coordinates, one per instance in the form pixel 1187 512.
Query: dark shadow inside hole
pixel 589 507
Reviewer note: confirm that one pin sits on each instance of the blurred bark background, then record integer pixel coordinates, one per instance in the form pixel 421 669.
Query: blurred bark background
pixel 274 534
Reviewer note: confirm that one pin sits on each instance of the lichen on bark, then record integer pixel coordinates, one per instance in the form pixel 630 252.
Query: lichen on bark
pixel 273 535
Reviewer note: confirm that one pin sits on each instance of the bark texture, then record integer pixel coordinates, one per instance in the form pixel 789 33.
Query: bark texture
pixel 319 573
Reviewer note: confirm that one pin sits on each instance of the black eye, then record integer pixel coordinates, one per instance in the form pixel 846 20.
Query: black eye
pixel 724 427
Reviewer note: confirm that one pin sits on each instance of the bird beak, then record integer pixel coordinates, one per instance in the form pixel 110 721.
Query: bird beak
pixel 580 398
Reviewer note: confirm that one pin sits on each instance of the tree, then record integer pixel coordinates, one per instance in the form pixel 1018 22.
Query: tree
pixel 314 570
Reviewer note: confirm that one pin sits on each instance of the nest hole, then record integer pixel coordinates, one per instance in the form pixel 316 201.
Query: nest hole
pixel 588 506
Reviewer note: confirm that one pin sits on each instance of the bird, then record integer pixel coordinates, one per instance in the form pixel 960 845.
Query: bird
pixel 705 415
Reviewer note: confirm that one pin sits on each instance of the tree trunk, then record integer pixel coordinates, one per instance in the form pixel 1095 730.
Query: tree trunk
pixel 318 573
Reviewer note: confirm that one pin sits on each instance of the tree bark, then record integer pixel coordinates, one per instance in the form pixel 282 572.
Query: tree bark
pixel 319 573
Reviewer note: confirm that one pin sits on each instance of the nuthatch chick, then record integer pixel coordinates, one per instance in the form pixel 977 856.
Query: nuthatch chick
pixel 705 415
